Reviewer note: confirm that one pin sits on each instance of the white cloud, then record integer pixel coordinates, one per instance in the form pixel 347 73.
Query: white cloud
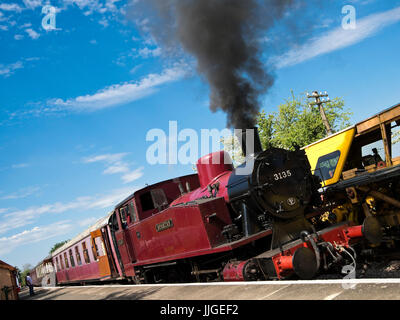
pixel 88 222
pixel 36 234
pixel 338 38
pixel 20 165
pixel 133 175
pixel 104 22
pixel 20 218
pixel 25 25
pixel 23 193
pixel 7 70
pixel 117 168
pixel 10 7
pixel 109 158
pixel 146 52
pixel 18 37
pixel 32 4
pixel 32 33
pixel 114 165
pixel 120 93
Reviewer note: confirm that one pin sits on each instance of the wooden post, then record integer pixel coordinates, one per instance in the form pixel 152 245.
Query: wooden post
pixel 320 103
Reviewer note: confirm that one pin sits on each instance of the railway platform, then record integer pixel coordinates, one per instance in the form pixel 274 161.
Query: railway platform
pixel 347 289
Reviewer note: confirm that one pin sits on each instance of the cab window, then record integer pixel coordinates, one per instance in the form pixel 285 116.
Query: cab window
pixel 373 153
pixel 154 199
pixel 146 201
pixel 159 199
pixel 114 222
pixel 132 211
pixel 122 216
pixel 326 165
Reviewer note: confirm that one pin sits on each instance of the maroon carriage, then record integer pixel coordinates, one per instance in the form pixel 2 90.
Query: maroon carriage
pixel 88 257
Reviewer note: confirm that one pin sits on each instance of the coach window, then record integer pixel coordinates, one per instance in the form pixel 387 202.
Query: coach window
pixel 78 256
pixel 95 250
pixel 99 246
pixel 61 261
pixel 85 252
pixel 57 265
pixel 66 260
pixel 71 258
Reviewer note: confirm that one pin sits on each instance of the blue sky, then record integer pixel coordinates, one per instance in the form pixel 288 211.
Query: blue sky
pixel 77 102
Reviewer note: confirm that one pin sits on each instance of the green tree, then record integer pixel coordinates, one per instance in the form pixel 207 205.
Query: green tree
pixel 26 268
pixel 298 123
pixel 294 123
pixel 57 245
pixel 232 146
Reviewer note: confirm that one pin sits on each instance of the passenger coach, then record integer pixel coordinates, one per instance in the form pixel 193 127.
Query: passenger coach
pixel 88 257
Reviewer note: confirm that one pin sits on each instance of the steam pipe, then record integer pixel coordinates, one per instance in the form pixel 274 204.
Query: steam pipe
pixel 246 222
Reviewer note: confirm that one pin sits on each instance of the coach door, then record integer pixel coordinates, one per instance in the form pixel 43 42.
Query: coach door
pixel 100 251
pixel 124 241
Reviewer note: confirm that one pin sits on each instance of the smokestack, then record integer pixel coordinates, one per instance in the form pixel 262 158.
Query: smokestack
pixel 249 140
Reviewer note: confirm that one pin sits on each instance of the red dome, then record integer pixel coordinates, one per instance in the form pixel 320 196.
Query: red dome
pixel 212 165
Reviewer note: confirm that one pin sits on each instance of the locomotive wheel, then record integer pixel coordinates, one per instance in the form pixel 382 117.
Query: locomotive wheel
pixel 305 263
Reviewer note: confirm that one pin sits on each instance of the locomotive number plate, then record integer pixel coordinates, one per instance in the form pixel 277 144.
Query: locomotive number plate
pixel 164 225
pixel 282 175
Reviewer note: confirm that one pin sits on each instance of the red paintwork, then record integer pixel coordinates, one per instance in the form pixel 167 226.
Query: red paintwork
pixel 354 232
pixel 171 190
pixel 193 232
pixel 197 226
pixel 233 271
pixel 82 272
pixel 341 236
pixel 113 252
pixel 209 175
pixel 212 165
pixel 283 261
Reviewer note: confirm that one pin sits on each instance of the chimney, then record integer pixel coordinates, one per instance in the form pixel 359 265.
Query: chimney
pixel 249 140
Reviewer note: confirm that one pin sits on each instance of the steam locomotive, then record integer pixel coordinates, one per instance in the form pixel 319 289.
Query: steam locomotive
pixel 221 224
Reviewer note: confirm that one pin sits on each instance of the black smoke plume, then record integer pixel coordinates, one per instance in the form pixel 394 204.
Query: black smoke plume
pixel 225 38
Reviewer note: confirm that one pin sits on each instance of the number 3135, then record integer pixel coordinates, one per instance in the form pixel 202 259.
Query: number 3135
pixel 282 175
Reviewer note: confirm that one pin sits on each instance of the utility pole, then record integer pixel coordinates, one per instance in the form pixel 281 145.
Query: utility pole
pixel 317 97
